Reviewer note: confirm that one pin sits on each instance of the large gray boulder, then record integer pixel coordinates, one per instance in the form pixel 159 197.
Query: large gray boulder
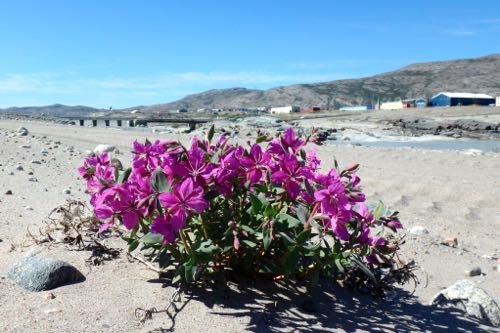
pixel 35 273
pixel 467 296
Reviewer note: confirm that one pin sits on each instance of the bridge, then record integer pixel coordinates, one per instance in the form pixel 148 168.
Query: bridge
pixel 133 122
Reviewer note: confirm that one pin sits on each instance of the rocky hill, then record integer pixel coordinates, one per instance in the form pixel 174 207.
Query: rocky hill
pixel 59 110
pixel 479 75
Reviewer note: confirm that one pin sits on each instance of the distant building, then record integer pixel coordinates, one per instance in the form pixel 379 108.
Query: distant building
pixel 498 101
pixel 395 105
pixel 457 99
pixel 356 108
pixel 285 109
pixel 414 103
pixel 421 102
pixel 312 109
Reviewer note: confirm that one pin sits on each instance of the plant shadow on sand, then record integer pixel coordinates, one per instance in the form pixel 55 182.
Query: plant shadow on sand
pixel 270 307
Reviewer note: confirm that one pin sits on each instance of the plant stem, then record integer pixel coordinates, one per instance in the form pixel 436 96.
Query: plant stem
pixel 184 241
pixel 204 228
pixel 307 226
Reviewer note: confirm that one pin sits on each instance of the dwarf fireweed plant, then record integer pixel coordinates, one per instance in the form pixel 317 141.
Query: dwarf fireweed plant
pixel 263 209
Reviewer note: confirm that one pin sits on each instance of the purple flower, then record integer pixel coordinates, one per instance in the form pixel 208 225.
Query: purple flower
pixel 255 163
pixel 364 213
pixel 194 166
pixel 183 199
pixel 286 143
pixel 289 174
pixel 163 226
pixel 117 200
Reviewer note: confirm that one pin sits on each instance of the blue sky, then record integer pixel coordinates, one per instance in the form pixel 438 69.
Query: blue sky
pixel 127 53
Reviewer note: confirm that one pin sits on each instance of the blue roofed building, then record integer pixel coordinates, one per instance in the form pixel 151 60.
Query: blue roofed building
pixel 458 99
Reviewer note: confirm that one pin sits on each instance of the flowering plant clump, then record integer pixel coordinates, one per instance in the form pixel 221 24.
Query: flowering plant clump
pixel 266 209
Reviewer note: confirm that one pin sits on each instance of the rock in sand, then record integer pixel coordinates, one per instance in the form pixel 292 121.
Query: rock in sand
pixel 104 149
pixel 22 131
pixel 35 273
pixel 466 296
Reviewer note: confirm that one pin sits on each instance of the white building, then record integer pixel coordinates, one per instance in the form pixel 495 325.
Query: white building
pixel 285 109
pixel 396 105
pixel 498 101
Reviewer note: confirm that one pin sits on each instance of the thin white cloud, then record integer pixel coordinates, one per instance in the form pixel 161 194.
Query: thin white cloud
pixel 71 84
pixel 460 32
pixel 16 88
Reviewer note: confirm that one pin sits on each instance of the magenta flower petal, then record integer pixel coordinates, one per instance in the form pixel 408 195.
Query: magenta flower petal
pixel 279 176
pixel 168 199
pixel 130 220
pixel 178 220
pixel 198 204
pixel 161 226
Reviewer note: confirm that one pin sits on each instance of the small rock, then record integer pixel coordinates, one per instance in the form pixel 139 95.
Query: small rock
pixel 9 192
pixel 19 167
pixel 489 257
pixel 36 162
pixel 66 191
pixel 33 179
pixel 25 146
pixel 475 271
pixel 35 273
pixel 50 311
pixel 49 296
pixel 44 152
pixel 468 297
pixel 28 208
pixel 450 241
pixel 104 149
pixel 418 230
pixel 22 131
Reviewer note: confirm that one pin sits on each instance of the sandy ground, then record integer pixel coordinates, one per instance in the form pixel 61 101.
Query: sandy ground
pixel 450 193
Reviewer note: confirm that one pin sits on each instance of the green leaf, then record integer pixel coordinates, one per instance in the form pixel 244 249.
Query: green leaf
pixel 309 188
pixel 256 203
pixel 132 245
pixel 379 210
pixel 259 187
pixel 302 214
pixel 164 259
pixel 211 133
pixel 179 274
pixel 303 236
pixel 206 247
pixel 269 211
pixel 152 239
pixel 364 268
pixel 124 175
pixel 261 139
pixel 339 266
pixel 290 220
pixel 117 174
pixel 249 243
pixel 190 270
pixel 287 238
pixel 266 237
pixel 159 182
